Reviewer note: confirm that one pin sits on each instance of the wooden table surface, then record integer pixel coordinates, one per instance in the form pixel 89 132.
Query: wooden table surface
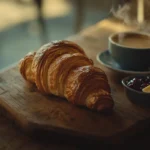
pixel 95 37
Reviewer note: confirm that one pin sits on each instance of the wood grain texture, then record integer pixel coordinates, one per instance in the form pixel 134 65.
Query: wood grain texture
pixel 35 112
pixel 11 138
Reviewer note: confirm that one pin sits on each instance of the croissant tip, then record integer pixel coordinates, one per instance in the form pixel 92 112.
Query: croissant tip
pixel 105 105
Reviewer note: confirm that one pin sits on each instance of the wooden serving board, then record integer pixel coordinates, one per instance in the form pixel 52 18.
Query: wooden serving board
pixel 34 111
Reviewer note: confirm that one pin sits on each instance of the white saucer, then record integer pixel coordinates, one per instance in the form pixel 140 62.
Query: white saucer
pixel 105 59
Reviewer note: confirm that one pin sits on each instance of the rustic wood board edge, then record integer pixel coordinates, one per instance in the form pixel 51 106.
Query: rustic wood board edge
pixel 30 127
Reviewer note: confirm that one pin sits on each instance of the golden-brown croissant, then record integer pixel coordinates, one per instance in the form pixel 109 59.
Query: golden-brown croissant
pixel 63 69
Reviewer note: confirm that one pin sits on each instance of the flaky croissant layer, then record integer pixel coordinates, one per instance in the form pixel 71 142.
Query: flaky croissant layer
pixel 63 69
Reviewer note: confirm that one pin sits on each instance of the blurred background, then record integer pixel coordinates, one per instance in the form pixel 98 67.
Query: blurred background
pixel 27 24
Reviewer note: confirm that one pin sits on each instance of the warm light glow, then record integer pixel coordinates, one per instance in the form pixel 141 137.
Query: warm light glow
pixel 140 11
pixel 12 13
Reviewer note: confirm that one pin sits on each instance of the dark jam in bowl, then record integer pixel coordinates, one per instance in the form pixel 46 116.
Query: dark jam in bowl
pixel 138 83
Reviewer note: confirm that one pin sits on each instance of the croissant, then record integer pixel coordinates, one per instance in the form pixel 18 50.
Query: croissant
pixel 62 68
